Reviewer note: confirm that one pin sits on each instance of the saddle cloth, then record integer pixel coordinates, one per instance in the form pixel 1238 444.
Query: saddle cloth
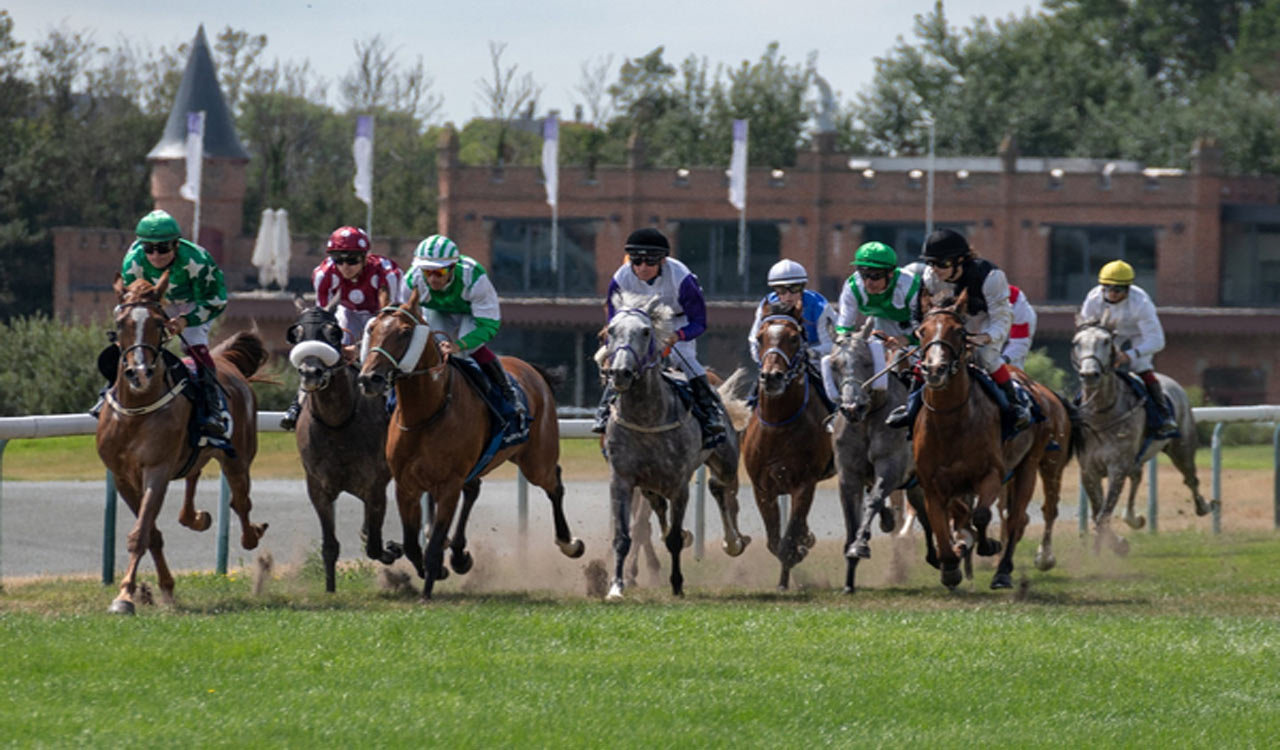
pixel 502 423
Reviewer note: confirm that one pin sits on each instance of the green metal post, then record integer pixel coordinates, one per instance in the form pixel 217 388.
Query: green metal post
pixel 1082 505
pixel 224 509
pixel 1217 476
pixel 109 532
pixel 3 443
pixel 522 503
pixel 1153 493
pixel 700 512
pixel 1275 473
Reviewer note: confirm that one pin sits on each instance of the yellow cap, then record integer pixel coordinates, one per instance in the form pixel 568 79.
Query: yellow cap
pixel 1116 273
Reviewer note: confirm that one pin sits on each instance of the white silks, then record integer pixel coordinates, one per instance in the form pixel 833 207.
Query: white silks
pixel 738 166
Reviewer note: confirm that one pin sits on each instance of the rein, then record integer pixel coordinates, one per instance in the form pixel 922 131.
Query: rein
pixel 646 362
pixel 437 415
pixel 158 404
pixel 795 363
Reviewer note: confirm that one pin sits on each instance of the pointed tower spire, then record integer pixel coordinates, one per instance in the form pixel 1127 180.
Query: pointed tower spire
pixel 200 91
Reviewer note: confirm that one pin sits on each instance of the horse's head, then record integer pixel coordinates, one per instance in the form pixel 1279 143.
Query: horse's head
pixel 1093 348
pixel 397 342
pixel 783 353
pixel 317 345
pixel 852 367
pixel 633 339
pixel 140 329
pixel 942 340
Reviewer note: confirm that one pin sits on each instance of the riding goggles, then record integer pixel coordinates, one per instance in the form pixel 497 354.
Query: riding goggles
pixel 788 288
pixel 1118 288
pixel 645 261
pixel 157 248
pixel 944 264
pixel 436 273
pixel 347 259
pixel 873 274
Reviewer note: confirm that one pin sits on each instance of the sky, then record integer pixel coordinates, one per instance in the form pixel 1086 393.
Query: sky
pixel 550 39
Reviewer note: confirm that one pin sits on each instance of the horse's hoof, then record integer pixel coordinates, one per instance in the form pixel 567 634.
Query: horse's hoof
pixel 121 607
pixel 252 535
pixel 810 541
pixel 782 588
pixel 989 547
pixel 1001 581
pixel 1045 561
pixel 1121 546
pixel 1204 507
pixel 390 553
pixel 461 563
pixel 686 538
pixel 573 548
pixel 1136 522
pixel 847 590
pixel 858 550
pixel 952 577
pixel 615 592
pixel 932 559
pixel 735 547
pixel 203 521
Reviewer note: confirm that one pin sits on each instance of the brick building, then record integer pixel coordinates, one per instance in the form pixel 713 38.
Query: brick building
pixel 1206 245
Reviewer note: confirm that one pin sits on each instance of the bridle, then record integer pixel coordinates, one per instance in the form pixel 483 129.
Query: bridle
pixel 1104 368
pixel 402 365
pixel 650 358
pixel 796 365
pixel 956 354
pixel 152 349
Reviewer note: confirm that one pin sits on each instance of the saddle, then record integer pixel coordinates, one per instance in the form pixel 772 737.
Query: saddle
pixel 502 432
pixel 995 393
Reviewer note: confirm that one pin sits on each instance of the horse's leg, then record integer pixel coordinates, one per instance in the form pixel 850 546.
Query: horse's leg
pixel 459 559
pixel 1183 454
pixel 154 482
pixel 1017 495
pixel 188 516
pixel 675 537
pixel 641 532
pixel 873 505
pixel 915 498
pixel 408 503
pixel 896 516
pixel 767 504
pixel 570 545
pixel 1131 518
pixel 1116 475
pixel 236 475
pixel 935 507
pixel 989 490
pixel 620 492
pixel 851 504
pixel 1051 480
pixel 433 556
pixel 322 500
pixel 799 539
pixel 375 513
pixel 723 483
pixel 164 577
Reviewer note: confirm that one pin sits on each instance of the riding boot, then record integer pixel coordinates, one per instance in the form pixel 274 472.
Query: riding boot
pixel 211 411
pixel 607 395
pixel 905 415
pixel 493 369
pixel 1168 427
pixel 713 430
pixel 290 418
pixel 1021 413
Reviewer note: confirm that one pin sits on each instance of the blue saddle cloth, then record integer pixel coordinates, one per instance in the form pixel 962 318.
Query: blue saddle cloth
pixel 503 431
pixel 1154 417
pixel 993 390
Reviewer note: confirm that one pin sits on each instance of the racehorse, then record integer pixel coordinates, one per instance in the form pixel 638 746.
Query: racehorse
pixel 786 449
pixel 1114 443
pixel 872 459
pixel 341 435
pixel 439 432
pixel 653 441
pixel 142 433
pixel 959 452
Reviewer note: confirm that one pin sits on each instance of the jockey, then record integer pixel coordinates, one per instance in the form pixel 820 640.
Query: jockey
pixel 196 295
pixel 1137 329
pixel 359 279
pixel 1022 331
pixel 648 270
pixel 787 279
pixel 878 289
pixel 458 298
pixel 952 268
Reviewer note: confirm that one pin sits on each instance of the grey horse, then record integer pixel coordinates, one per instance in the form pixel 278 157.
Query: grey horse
pixel 1114 442
pixel 653 442
pixel 872 459
pixel 340 436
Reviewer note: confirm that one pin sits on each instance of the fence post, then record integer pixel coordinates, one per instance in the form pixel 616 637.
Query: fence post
pixel 1275 473
pixel 700 512
pixel 224 508
pixel 3 443
pixel 109 532
pixel 1082 508
pixel 1217 477
pixel 1153 493
pixel 522 503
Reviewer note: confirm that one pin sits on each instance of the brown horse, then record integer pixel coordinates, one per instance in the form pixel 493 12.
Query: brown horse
pixel 142 432
pixel 959 453
pixel 785 448
pixel 439 431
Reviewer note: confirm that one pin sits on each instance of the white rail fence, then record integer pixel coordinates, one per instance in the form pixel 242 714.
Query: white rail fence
pixel 60 425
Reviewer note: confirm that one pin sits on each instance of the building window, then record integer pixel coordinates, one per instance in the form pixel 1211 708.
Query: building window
pixel 1076 254
pixel 907 240
pixel 710 250
pixel 1250 264
pixel 562 349
pixel 521 257
pixel 1235 386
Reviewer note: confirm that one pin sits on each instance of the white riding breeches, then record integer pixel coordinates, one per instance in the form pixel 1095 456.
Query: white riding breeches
pixel 353 323
pixel 684 354
pixel 988 357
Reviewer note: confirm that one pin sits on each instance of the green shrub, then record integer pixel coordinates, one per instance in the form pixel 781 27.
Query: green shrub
pixel 1042 370
pixel 48 367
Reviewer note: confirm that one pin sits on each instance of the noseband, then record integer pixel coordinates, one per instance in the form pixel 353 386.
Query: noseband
pixel 956 354
pixel 795 363
pixel 649 359
pixel 1105 367
pixel 403 365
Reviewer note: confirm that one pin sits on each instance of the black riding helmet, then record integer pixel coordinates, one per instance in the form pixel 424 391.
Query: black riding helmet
pixel 944 244
pixel 647 242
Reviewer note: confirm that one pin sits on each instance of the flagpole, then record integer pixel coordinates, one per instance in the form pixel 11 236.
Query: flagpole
pixel 555 234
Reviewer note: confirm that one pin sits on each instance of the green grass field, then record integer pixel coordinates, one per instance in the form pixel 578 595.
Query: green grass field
pixel 1177 645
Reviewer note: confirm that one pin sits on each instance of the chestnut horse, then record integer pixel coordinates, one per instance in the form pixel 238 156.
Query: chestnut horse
pixel 785 449
pixel 959 453
pixel 439 431
pixel 142 430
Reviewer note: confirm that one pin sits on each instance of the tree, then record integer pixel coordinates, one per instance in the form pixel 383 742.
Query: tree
pixel 377 84
pixel 236 56
pixel 505 96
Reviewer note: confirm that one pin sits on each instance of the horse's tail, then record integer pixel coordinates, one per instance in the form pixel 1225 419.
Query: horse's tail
pixel 734 406
pixel 245 350
pixel 1077 431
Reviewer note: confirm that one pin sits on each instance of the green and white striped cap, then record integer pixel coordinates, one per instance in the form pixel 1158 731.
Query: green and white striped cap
pixel 436 251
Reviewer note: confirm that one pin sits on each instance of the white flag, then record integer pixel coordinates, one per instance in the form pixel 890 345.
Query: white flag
pixel 551 157
pixel 738 166
pixel 362 149
pixel 195 156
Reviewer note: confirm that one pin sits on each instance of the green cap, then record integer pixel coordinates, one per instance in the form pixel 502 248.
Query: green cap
pixel 876 255
pixel 158 226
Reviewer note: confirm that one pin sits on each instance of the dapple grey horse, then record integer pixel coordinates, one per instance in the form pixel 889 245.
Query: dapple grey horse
pixel 653 442
pixel 1114 442
pixel 872 459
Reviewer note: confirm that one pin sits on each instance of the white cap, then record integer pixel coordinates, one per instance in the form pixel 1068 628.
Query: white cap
pixel 788 272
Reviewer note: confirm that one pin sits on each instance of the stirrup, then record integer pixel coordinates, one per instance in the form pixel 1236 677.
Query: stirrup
pixel 290 418
pixel 899 417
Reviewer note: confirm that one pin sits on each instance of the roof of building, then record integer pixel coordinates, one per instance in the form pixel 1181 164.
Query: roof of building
pixel 200 91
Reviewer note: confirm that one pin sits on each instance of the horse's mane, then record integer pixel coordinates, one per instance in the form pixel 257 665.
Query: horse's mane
pixel 781 308
pixel 138 289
